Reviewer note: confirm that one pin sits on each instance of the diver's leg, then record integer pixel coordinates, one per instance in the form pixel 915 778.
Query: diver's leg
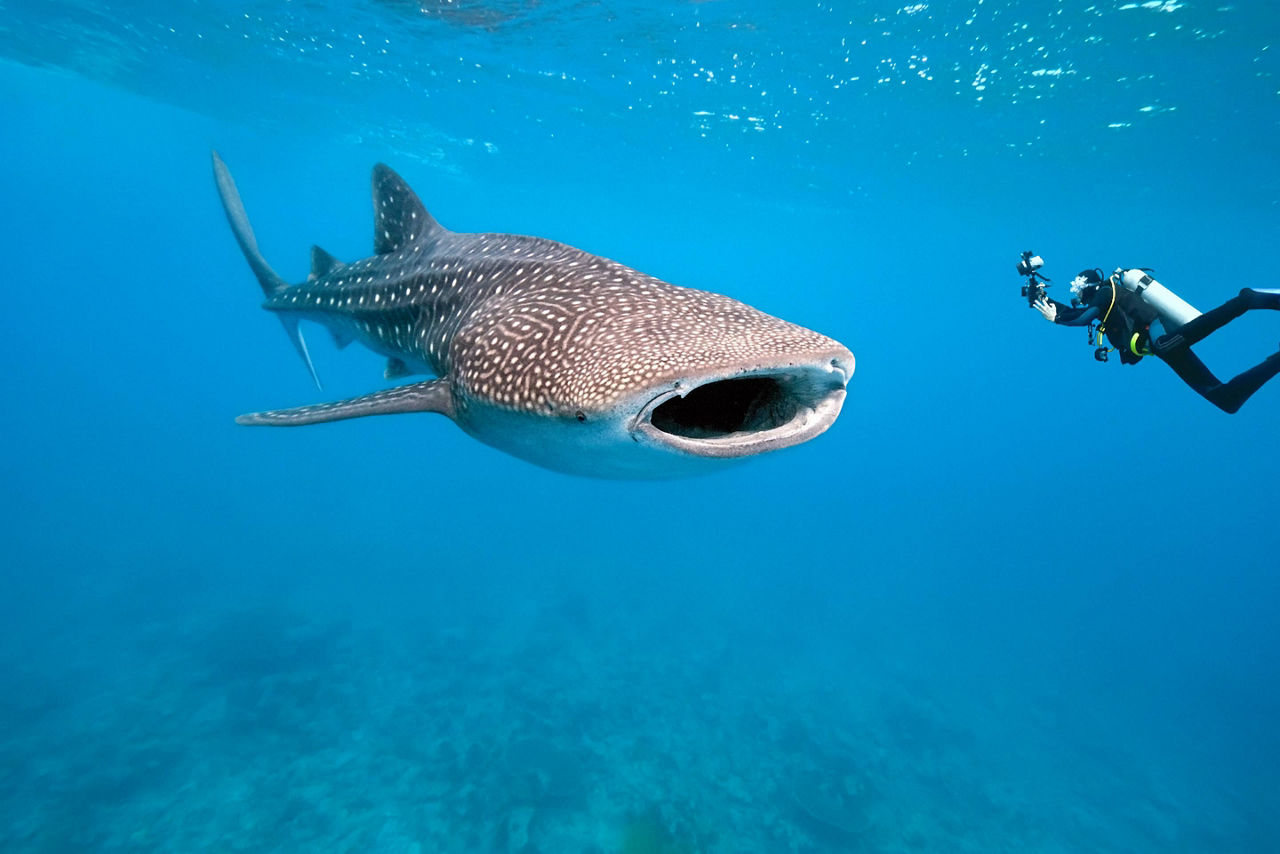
pixel 1188 366
pixel 1232 394
pixel 1199 328
pixel 1228 396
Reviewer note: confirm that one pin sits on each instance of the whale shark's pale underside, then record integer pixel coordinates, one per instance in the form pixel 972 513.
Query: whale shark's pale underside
pixel 565 359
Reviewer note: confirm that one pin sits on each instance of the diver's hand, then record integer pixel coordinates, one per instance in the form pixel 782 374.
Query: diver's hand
pixel 1048 309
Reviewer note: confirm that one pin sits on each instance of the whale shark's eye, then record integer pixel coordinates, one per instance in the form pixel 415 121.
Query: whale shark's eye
pixel 580 415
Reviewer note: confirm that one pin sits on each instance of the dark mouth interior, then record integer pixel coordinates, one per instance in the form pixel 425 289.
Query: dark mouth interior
pixel 747 405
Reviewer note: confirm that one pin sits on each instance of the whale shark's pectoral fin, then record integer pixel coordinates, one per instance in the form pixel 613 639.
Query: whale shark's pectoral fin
pixel 430 396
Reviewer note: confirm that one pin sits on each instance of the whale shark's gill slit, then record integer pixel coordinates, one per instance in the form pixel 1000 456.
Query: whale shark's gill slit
pixel 727 407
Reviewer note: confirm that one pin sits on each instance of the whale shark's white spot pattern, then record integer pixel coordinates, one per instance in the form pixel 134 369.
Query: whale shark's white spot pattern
pixel 531 324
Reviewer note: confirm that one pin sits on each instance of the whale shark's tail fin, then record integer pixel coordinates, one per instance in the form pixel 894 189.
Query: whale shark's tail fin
pixel 268 278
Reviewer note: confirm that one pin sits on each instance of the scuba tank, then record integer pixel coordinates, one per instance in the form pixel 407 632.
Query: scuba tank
pixel 1174 310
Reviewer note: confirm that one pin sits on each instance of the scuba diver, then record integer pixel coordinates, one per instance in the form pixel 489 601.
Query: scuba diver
pixel 1140 317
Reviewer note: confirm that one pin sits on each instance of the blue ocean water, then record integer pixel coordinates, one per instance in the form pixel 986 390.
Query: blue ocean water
pixel 1014 600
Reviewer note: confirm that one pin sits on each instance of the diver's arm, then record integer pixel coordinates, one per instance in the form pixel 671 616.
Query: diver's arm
pixel 1065 315
pixel 1082 316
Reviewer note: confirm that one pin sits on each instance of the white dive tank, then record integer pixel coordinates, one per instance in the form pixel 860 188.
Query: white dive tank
pixel 1174 310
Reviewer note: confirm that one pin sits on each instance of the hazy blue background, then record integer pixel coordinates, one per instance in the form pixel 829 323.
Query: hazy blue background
pixel 1013 600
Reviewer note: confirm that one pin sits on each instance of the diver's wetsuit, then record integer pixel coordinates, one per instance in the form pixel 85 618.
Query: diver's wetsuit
pixel 1128 327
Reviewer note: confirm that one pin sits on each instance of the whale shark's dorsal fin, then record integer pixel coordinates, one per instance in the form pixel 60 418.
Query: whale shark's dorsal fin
pixel 322 263
pixel 400 220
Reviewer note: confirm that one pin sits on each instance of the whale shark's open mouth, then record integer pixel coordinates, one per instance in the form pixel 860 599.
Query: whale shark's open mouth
pixel 746 414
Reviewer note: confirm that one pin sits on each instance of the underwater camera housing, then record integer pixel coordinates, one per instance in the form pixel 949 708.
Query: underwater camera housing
pixel 1030 266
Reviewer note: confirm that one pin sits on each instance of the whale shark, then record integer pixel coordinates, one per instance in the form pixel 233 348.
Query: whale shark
pixel 565 359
